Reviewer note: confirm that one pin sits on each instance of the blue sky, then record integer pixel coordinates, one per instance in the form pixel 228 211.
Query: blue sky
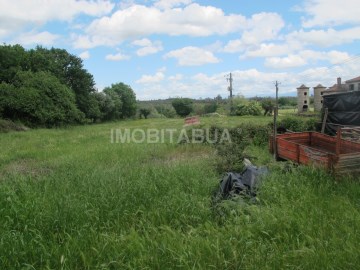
pixel 169 48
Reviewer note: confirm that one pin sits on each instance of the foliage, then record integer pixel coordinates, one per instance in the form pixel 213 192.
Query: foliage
pixel 287 101
pixel 210 107
pixel 167 110
pixel 69 70
pixel 12 60
pixel 268 106
pixel 298 124
pixel 250 108
pixel 183 106
pixel 114 104
pixel 66 70
pixel 145 206
pixel 257 134
pixel 198 109
pixel 38 99
pixel 144 112
pixel 127 98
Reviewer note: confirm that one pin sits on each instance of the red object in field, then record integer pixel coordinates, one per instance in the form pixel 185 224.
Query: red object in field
pixel 193 120
pixel 334 153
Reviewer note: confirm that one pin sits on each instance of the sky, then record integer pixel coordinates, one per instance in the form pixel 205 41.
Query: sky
pixel 187 48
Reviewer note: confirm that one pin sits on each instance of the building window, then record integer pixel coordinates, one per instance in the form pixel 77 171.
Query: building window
pixel 321 101
pixel 305 101
pixel 305 93
pixel 321 93
pixel 351 86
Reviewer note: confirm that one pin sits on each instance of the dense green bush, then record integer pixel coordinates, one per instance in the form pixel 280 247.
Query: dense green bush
pixel 183 106
pixel 257 134
pixel 39 99
pixel 126 95
pixel 297 124
pixel 65 95
pixel 250 108
pixel 210 107
pixel 167 110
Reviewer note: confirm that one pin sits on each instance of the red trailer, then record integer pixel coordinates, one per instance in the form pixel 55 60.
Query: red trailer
pixel 337 154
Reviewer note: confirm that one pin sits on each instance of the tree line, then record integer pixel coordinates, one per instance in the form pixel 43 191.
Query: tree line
pixel 50 87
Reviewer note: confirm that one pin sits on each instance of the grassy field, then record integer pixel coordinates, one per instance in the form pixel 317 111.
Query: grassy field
pixel 70 199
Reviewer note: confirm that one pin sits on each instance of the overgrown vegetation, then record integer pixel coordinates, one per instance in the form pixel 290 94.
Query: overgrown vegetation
pixel 183 106
pixel 50 87
pixel 69 199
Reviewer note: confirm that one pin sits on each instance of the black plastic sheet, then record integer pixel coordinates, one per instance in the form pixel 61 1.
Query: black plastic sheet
pixel 343 110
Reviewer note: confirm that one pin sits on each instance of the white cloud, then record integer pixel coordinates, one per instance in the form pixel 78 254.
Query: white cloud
pixel 236 45
pixel 166 4
pixel 267 50
pixel 192 56
pixel 149 79
pixel 260 27
pixel 285 62
pixel 17 14
pixel 331 12
pixel 117 57
pixel 148 47
pixel 250 82
pixel 306 57
pixel 325 38
pixel 42 38
pixel 84 55
pixel 142 42
pixel 177 77
pixel 139 21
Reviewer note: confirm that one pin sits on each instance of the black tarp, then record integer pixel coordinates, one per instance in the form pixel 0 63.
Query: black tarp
pixel 343 110
pixel 244 183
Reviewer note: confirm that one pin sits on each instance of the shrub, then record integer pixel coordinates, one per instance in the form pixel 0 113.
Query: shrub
pixel 251 108
pixel 127 97
pixel 297 124
pixel 210 107
pixel 167 110
pixel 183 106
pixel 144 112
pixel 39 99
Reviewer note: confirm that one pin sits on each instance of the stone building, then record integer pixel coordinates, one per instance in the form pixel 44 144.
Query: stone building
pixel 318 99
pixel 353 84
pixel 303 98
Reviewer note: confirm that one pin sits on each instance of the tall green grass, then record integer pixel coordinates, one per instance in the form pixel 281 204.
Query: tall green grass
pixel 69 199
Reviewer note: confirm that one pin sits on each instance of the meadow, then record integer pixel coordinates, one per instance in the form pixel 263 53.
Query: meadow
pixel 71 199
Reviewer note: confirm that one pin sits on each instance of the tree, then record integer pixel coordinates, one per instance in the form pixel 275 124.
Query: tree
pixel 166 110
pixel 12 60
pixel 144 112
pixel 126 96
pixel 268 106
pixel 69 70
pixel 39 99
pixel 211 107
pixel 183 106
pixel 250 108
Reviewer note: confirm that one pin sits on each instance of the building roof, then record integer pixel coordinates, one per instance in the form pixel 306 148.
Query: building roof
pixel 357 79
pixel 319 86
pixel 303 86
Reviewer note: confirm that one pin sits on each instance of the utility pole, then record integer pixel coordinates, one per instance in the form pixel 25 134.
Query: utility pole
pixel 275 117
pixel 230 88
